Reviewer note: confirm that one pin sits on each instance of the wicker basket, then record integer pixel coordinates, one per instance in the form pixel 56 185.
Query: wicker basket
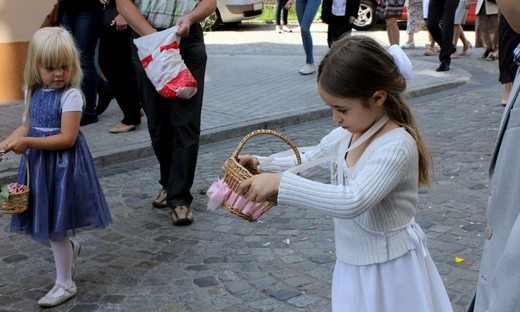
pixel 235 174
pixel 16 202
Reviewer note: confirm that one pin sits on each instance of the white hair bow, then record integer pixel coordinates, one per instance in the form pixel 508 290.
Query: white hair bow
pixel 402 61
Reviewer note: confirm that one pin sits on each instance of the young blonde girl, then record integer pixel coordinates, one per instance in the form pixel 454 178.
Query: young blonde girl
pixel 65 192
pixel 377 161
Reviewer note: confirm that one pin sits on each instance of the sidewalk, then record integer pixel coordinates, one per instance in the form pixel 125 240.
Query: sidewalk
pixel 245 91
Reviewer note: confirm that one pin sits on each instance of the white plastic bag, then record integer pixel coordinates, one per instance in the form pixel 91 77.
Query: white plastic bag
pixel 163 64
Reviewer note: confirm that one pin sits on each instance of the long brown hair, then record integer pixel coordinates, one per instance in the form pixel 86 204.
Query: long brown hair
pixel 357 67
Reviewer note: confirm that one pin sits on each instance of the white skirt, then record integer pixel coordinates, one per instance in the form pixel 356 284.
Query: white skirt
pixel 410 283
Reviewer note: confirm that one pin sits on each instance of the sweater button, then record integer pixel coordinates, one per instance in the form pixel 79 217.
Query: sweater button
pixel 488 231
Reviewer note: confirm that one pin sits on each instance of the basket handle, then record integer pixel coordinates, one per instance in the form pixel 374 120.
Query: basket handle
pixel 27 169
pixel 271 132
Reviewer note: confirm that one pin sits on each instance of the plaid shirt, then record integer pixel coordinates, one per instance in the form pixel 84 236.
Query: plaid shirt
pixel 164 13
pixel 517 55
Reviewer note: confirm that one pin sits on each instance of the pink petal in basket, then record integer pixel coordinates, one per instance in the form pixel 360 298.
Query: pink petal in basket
pixel 216 194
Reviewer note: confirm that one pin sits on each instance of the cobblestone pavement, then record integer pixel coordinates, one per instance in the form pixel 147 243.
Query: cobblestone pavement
pixel 251 83
pixel 282 263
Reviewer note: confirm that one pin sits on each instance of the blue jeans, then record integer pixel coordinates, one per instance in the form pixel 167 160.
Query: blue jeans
pixel 85 27
pixel 306 11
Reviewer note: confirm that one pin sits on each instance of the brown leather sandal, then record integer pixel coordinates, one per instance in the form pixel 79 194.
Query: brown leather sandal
pixel 181 215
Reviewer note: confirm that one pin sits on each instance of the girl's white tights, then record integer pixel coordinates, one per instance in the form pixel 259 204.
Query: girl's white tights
pixel 62 251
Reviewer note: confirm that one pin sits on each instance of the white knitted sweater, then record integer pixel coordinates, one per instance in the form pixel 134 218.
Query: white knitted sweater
pixel 372 206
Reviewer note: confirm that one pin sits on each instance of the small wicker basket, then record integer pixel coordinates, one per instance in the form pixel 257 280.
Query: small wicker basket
pixel 16 202
pixel 235 174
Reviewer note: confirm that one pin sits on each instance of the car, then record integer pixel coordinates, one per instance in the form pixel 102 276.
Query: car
pixel 233 12
pixel 367 17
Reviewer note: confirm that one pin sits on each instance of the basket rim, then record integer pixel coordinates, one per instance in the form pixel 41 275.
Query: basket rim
pixel 246 138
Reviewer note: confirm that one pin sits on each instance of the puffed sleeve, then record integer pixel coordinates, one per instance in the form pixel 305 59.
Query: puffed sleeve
pixel 72 101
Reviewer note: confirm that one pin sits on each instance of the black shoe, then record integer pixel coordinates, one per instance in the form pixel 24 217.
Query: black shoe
pixel 486 53
pixel 88 119
pixel 443 67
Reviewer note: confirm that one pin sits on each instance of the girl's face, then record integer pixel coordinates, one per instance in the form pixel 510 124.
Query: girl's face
pixel 54 78
pixel 350 113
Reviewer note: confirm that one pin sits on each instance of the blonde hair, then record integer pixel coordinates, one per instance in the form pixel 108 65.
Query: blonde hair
pixel 50 47
pixel 357 67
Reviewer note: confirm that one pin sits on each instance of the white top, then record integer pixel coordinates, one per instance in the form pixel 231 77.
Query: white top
pixel 339 7
pixel 372 206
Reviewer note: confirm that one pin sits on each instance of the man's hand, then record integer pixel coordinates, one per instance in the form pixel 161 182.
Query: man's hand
pixel 184 23
pixel 119 22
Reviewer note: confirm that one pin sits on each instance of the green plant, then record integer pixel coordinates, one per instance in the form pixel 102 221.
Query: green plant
pixel 268 14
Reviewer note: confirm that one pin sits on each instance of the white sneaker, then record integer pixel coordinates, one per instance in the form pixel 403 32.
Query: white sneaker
pixel 307 69
pixel 286 28
pixel 408 45
pixel 278 29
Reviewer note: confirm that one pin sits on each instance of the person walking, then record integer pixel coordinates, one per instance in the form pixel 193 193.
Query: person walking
pixel 65 192
pixel 115 61
pixel 84 19
pixel 377 161
pixel 340 15
pixel 508 40
pixel 414 23
pixel 390 11
pixel 458 31
pixel 487 15
pixel 306 12
pixel 442 10
pixel 174 124
pixel 281 13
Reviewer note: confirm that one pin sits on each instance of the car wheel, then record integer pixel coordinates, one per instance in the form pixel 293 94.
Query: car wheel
pixel 366 15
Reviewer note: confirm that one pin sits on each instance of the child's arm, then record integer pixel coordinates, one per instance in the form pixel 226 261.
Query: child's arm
pixel 261 186
pixel 65 139
pixel 71 105
pixel 21 131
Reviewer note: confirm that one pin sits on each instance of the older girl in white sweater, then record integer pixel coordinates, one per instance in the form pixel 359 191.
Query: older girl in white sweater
pixel 378 161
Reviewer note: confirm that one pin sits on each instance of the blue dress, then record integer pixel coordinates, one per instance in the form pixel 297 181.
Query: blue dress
pixel 65 193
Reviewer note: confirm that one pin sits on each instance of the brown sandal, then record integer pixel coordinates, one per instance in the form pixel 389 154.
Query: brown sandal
pixel 181 215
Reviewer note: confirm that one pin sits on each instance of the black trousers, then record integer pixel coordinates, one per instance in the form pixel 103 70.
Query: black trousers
pixel 442 10
pixel 174 124
pixel 115 61
pixel 338 26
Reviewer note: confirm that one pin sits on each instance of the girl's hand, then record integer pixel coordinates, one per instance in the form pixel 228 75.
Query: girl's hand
pixel 248 161
pixel 3 147
pixel 260 187
pixel 103 1
pixel 289 4
pixel 184 23
pixel 18 145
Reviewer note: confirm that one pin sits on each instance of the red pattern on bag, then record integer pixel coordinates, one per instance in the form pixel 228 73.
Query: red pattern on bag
pixel 147 60
pixel 185 79
pixel 173 45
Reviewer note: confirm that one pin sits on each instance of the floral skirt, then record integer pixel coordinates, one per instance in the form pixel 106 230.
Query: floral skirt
pixel 390 8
